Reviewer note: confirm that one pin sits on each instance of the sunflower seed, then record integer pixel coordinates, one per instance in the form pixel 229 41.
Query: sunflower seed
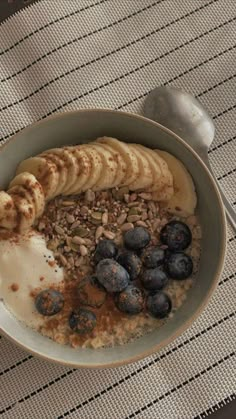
pixel 59 230
pixel 96 216
pixel 53 244
pixel 88 242
pixel 105 218
pixel 99 232
pixel 83 250
pixel 80 231
pixel 70 218
pixel 126 198
pixel 141 223
pixel 89 196
pixel 144 216
pixel 109 235
pixel 67 203
pixel 78 240
pixel 133 211
pixel 63 260
pixel 127 226
pixel 75 224
pixel 133 218
pixel 121 219
pixel 67 249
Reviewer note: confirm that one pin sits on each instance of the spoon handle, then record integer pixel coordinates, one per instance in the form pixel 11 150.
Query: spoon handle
pixel 230 212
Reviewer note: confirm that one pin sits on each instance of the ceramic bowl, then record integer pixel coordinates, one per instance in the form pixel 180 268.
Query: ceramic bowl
pixel 85 125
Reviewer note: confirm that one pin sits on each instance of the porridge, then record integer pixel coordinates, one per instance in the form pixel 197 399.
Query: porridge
pixel 99 243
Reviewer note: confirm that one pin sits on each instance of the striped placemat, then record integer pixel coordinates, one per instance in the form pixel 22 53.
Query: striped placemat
pixel 62 55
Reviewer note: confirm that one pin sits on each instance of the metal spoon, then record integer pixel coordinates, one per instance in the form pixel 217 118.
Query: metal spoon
pixel 184 115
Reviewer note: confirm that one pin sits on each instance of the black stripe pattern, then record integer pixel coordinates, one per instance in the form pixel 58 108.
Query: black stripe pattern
pixel 75 99
pixel 126 378
pixel 111 53
pixel 181 385
pixel 116 63
pixel 60 19
pixel 75 40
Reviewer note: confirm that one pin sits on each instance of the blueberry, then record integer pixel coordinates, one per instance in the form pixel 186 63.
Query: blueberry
pixel 159 305
pixel 94 281
pixel 176 235
pixel 131 300
pixel 154 279
pixel 131 262
pixel 112 275
pixel 90 292
pixel 49 302
pixel 153 257
pixel 106 249
pixel 137 238
pixel 82 321
pixel 179 265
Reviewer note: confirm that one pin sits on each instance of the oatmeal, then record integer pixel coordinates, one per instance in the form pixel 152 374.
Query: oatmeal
pixel 65 239
pixel 109 239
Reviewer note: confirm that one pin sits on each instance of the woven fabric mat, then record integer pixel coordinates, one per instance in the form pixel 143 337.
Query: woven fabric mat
pixel 62 55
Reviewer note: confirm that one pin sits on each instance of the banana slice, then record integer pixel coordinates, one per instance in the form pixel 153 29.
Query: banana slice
pixel 162 188
pixel 166 175
pixel 120 178
pixel 66 154
pixel 130 158
pixel 107 179
pixel 84 164
pixel 96 167
pixel 23 193
pixel 45 172
pixel 25 207
pixel 30 182
pixel 184 200
pixel 164 194
pixel 164 168
pixel 158 176
pixel 61 168
pixel 145 178
pixel 8 213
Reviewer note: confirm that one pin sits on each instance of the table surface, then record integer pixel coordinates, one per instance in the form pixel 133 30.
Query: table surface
pixel 9 7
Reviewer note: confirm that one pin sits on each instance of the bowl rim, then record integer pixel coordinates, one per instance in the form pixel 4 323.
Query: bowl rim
pixel 186 324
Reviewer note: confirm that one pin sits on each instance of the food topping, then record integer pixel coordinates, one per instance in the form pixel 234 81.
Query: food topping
pixel 49 302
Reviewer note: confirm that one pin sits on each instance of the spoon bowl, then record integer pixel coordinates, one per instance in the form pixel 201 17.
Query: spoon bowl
pixel 183 114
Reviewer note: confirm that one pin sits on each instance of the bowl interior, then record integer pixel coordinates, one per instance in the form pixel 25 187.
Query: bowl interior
pixel 83 126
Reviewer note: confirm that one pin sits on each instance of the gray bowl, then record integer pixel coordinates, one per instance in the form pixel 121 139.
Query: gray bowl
pixel 83 126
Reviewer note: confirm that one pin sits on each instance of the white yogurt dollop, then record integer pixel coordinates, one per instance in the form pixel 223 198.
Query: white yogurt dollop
pixel 25 265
